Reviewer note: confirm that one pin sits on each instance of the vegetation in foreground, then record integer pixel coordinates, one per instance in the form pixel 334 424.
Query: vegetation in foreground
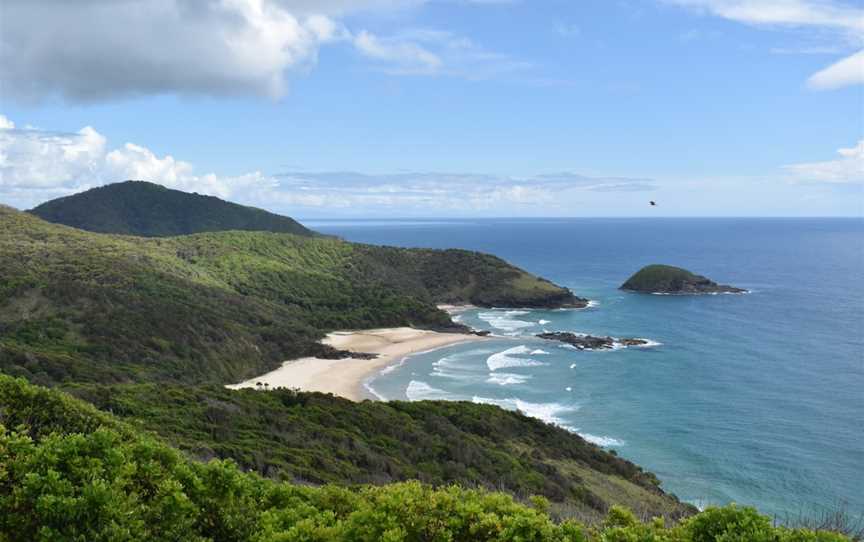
pixel 218 307
pixel 317 438
pixel 70 472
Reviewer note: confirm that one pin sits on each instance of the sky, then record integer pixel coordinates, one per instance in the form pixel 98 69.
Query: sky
pixel 441 108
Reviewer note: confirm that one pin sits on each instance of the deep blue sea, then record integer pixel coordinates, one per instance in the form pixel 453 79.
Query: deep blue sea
pixel 756 399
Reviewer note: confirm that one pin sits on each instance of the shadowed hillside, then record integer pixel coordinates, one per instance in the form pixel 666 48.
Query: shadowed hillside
pixel 151 210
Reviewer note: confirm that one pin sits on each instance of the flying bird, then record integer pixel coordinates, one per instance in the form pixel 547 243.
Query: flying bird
pixel 653 204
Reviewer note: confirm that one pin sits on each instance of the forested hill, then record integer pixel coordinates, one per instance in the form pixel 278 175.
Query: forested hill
pixel 218 307
pixel 151 210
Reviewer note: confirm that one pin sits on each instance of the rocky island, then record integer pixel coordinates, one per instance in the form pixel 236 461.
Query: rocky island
pixel 667 279
pixel 590 342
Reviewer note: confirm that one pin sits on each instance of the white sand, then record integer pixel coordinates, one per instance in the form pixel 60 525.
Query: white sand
pixel 345 377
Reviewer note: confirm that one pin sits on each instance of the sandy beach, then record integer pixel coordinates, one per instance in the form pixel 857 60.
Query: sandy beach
pixel 345 377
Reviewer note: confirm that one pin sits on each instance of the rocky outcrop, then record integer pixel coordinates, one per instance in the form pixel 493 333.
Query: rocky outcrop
pixel 666 279
pixel 563 299
pixel 590 342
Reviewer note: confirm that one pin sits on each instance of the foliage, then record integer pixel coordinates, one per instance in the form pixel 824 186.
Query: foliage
pixel 215 307
pixel 317 438
pixel 77 474
pixel 150 210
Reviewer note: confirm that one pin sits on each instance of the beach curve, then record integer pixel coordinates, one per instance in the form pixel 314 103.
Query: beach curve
pixel 345 377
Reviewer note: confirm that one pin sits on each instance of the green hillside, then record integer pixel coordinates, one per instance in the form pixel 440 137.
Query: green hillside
pixel 70 472
pixel 317 438
pixel 151 210
pixel 218 307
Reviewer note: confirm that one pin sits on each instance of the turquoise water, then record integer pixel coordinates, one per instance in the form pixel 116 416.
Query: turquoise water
pixel 753 398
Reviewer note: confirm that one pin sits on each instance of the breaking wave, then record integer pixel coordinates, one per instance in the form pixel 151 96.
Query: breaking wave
pixel 547 412
pixel 421 391
pixel 601 440
pixel 507 379
pixel 505 321
pixel 507 358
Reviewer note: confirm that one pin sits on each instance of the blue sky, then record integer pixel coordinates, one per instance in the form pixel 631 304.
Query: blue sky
pixel 375 108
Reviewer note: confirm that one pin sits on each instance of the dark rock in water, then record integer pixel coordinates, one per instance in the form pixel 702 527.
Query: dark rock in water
pixel 666 279
pixel 590 342
pixel 564 299
pixel 631 342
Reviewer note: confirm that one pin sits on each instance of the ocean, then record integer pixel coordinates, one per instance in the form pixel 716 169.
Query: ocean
pixel 756 399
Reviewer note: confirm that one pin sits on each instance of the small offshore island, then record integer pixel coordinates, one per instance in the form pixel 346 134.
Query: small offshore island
pixel 671 280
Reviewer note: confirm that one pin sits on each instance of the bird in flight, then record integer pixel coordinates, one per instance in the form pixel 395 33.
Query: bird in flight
pixel 653 204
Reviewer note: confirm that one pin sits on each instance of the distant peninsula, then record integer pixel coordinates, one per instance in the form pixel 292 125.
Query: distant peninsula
pixel 667 279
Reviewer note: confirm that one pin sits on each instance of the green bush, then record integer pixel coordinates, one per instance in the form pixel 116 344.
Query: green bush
pixel 103 486
pixel 70 472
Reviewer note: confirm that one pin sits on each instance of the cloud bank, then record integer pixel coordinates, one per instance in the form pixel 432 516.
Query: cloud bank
pixel 847 169
pixel 97 50
pixel 36 165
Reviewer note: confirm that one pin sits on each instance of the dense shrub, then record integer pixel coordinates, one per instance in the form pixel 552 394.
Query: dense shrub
pixel 104 487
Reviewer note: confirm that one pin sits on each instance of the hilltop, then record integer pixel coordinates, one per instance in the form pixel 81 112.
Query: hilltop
pixel 667 279
pixel 219 307
pixel 151 210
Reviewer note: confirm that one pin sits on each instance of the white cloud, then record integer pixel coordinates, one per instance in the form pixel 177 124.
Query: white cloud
pixel 449 191
pixel 102 49
pixel 846 72
pixel 36 165
pixel 95 50
pixel 405 54
pixel 41 159
pixel 428 52
pixel 820 13
pixel 844 21
pixel 847 169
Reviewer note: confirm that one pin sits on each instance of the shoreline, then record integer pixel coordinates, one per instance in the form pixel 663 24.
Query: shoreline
pixel 347 377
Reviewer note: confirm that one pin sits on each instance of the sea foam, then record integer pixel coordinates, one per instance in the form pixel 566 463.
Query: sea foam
pixel 601 440
pixel 547 412
pixel 507 358
pixel 421 391
pixel 505 321
pixel 507 379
